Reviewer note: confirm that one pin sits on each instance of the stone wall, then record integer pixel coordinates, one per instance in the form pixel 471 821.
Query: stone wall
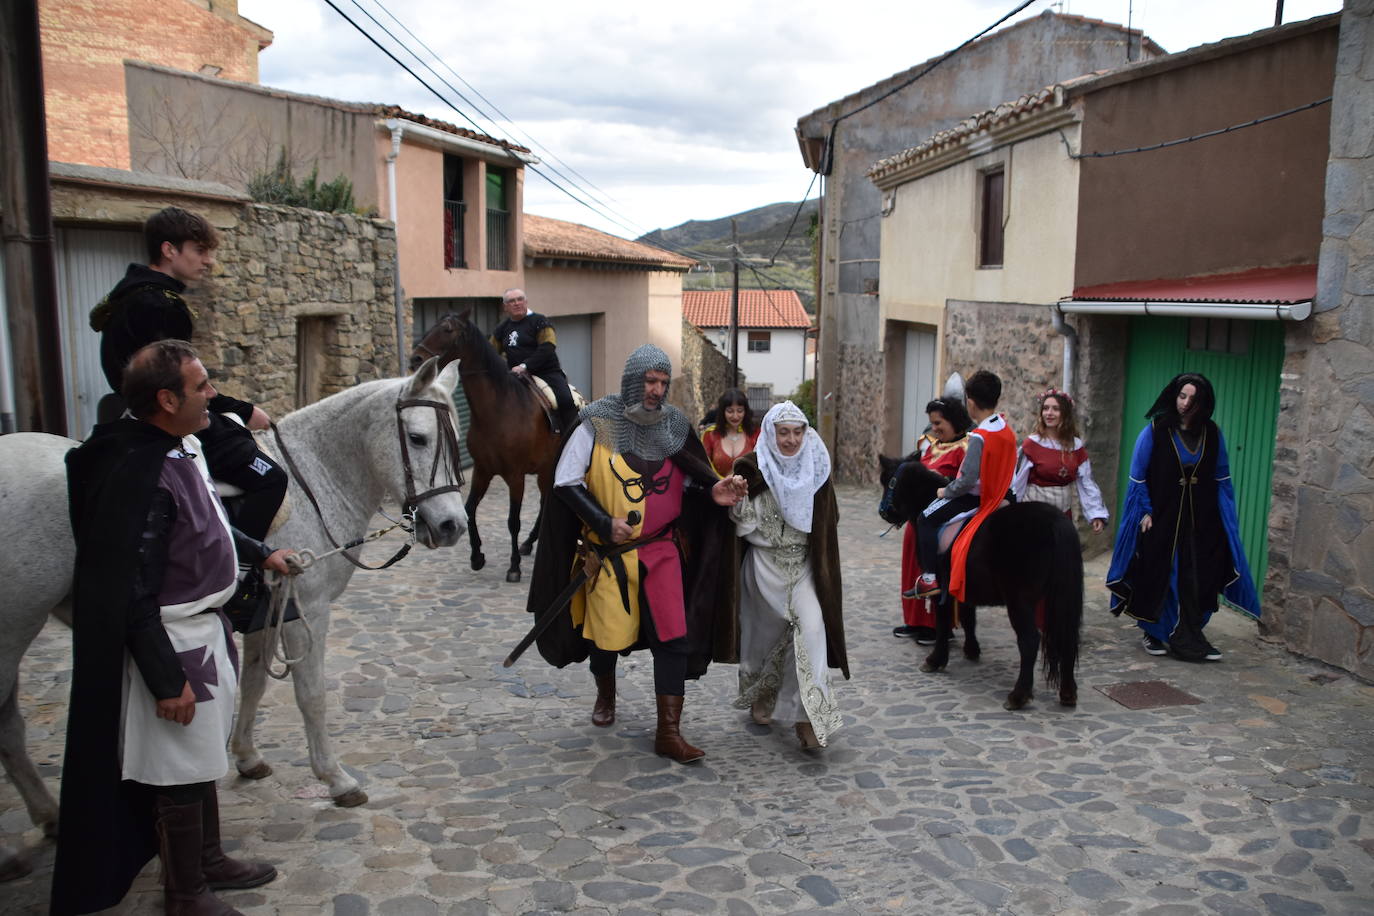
pixel 702 377
pixel 1019 343
pixel 283 270
pixel 863 406
pixel 1015 341
pixel 1319 591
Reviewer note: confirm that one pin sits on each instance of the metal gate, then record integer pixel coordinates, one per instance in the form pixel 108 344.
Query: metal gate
pixel 89 263
pixel 1242 359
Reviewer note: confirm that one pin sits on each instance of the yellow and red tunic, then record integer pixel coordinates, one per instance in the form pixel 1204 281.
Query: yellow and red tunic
pixel 609 612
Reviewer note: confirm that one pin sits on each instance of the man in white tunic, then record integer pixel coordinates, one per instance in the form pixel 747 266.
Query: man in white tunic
pixel 155 672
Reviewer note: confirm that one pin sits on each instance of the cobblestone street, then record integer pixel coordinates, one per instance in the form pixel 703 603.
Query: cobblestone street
pixel 491 792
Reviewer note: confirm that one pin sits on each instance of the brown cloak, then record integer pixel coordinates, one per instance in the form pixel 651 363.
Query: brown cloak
pixel 822 552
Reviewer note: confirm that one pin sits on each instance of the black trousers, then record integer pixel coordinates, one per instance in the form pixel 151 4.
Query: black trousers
pixel 563 393
pixel 670 658
pixel 928 533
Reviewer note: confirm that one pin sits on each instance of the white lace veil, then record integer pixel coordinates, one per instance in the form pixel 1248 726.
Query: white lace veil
pixel 794 480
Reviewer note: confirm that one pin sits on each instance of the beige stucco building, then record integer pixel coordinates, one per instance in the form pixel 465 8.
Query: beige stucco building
pixel 624 293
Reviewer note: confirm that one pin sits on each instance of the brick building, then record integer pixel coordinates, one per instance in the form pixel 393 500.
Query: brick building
pixel 85 44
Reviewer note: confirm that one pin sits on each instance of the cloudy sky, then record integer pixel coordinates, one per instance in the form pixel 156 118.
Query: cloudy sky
pixel 660 113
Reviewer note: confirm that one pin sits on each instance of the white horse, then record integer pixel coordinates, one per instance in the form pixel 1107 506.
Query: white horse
pixel 348 449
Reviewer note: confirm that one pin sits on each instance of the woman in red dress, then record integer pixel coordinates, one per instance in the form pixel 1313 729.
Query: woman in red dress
pixel 1054 463
pixel 733 434
pixel 941 448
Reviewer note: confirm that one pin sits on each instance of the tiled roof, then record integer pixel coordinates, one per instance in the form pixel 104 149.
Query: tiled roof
pixel 395 111
pixel 371 108
pixel 556 238
pixel 758 308
pixel 984 120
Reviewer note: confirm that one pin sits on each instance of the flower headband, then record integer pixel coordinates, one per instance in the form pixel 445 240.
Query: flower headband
pixel 1057 393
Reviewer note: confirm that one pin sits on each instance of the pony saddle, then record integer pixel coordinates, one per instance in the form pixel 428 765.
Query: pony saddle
pixel 950 529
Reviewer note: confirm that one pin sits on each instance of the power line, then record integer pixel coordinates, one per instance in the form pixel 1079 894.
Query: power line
pixel 829 153
pixel 1203 136
pixel 477 92
pixel 624 221
pixel 440 96
pixel 787 235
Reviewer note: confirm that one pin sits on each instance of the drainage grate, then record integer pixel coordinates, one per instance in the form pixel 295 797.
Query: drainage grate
pixel 1148 695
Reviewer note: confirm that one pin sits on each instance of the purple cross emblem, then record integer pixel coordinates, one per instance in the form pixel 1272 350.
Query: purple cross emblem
pixel 199 667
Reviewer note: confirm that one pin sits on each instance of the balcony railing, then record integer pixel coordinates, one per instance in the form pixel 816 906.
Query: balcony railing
pixel 454 254
pixel 498 240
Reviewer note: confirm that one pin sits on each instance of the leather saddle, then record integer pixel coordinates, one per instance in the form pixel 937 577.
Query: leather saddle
pixel 549 401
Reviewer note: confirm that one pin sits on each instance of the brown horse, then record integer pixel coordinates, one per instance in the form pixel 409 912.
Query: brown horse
pixel 508 434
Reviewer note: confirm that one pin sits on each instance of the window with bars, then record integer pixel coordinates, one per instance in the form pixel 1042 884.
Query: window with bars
pixel 760 341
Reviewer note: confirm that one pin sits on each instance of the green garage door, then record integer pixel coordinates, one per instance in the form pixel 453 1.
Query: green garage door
pixel 1243 360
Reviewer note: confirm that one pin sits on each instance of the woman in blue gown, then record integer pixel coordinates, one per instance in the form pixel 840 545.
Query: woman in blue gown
pixel 1179 545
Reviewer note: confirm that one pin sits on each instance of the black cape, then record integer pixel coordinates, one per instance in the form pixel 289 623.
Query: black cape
pixel 105 829
pixel 705 536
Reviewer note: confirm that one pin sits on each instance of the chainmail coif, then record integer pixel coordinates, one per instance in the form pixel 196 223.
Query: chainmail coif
pixel 616 424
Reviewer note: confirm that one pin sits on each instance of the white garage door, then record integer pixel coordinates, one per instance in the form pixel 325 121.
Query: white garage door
pixel 89 263
pixel 575 350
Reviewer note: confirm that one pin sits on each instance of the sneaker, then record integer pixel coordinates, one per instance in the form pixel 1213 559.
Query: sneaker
pixel 904 632
pixel 1154 646
pixel 927 585
pixel 1213 654
pixel 925 636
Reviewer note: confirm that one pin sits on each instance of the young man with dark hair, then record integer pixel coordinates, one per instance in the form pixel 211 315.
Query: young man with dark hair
pixel 147 306
pixel 982 482
pixel 154 671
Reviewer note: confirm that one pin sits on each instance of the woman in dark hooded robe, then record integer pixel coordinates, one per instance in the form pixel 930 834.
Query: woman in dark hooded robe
pixel 1179 545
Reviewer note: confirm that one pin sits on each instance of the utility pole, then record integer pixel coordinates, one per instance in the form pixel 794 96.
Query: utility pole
pixel 734 304
pixel 1278 14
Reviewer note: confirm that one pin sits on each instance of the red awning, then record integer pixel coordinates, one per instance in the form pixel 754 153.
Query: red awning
pixel 1269 285
pixel 1272 292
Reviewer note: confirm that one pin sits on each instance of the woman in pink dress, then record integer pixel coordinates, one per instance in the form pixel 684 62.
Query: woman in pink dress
pixel 941 448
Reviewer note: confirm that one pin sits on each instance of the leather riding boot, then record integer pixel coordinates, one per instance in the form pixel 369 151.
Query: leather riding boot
pixel 220 871
pixel 185 892
pixel 603 713
pixel 668 741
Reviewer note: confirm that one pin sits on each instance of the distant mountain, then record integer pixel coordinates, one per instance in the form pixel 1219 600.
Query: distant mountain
pixel 761 231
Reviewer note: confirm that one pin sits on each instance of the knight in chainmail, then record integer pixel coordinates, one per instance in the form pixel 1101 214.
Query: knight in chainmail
pixel 639 507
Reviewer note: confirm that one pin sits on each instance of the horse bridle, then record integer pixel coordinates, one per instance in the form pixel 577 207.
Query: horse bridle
pixel 447 445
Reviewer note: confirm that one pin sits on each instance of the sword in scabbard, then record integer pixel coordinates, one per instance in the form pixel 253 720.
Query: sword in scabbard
pixel 565 597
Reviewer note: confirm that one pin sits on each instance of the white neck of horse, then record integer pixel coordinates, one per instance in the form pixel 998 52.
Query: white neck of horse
pixel 329 442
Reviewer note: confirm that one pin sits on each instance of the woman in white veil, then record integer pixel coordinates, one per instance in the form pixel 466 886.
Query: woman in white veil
pixel 791 625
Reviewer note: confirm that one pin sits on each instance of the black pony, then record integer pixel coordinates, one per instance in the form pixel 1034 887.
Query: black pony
pixel 1023 555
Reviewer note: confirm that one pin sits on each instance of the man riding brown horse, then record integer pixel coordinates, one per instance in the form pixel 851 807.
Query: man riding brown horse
pixel 528 342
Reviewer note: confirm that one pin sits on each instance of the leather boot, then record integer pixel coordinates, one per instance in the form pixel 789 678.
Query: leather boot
pixel 668 741
pixel 603 713
pixel 185 892
pixel 220 871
